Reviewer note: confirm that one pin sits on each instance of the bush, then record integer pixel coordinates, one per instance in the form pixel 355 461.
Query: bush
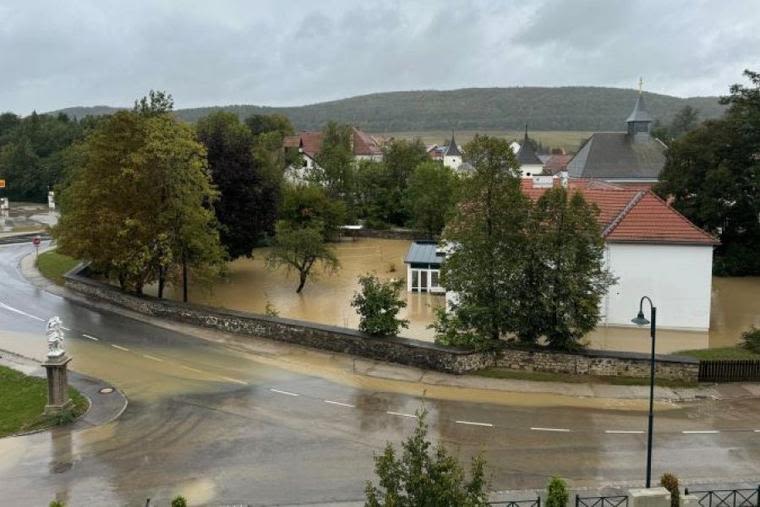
pixel 751 339
pixel 378 305
pixel 179 501
pixel 670 482
pixel 56 503
pixel 557 494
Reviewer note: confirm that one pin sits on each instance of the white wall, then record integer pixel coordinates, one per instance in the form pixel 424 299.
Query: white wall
pixel 677 278
pixel 530 170
pixel 452 161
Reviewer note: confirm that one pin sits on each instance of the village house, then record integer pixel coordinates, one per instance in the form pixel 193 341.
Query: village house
pixel 364 147
pixel 530 164
pixel 631 157
pixel 650 249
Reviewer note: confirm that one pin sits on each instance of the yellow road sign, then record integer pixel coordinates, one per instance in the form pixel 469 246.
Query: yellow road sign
pixel 2 183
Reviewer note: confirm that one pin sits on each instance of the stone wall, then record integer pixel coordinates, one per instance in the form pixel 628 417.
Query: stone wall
pixel 600 363
pixel 405 351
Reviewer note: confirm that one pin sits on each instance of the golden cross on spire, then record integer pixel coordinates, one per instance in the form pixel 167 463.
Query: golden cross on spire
pixel 641 85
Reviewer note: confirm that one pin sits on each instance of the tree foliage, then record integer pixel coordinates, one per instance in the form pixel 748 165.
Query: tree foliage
pixel 138 206
pixel 378 304
pixel 424 475
pixel 335 161
pixel 712 175
pixel 375 198
pixel 684 121
pixel 249 190
pixel 557 494
pixel 307 204
pixel 431 196
pixel 299 248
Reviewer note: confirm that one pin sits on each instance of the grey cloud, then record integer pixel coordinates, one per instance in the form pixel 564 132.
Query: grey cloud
pixel 84 52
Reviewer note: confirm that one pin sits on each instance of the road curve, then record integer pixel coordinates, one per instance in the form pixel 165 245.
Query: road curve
pixel 215 424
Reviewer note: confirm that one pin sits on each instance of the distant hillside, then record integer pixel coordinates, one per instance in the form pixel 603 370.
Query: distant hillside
pixel 81 112
pixel 566 108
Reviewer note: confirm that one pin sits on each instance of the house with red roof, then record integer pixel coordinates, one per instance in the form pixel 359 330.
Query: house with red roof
pixel 363 145
pixel 652 250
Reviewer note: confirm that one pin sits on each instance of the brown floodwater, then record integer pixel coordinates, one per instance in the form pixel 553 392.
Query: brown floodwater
pixel 250 286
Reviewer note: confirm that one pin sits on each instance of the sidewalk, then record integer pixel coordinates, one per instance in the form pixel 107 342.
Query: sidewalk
pixel 340 366
pixel 104 407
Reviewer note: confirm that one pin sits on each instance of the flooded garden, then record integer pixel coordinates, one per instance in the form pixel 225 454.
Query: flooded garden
pixel 252 287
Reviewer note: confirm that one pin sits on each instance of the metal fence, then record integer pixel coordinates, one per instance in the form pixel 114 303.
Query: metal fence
pixel 601 501
pixel 727 497
pixel 518 503
pixel 746 370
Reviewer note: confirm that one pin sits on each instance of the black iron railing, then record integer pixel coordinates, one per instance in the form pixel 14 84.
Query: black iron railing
pixel 518 503
pixel 601 501
pixel 727 497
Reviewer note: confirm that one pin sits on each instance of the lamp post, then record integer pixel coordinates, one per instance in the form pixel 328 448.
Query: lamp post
pixel 640 320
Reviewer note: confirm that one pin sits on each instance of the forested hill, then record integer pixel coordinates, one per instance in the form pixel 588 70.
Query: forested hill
pixel 567 108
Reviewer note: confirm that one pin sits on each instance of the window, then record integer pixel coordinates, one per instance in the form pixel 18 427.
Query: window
pixel 434 279
pixel 415 279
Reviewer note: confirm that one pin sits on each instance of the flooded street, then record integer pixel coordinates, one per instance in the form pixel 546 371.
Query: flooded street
pixel 250 286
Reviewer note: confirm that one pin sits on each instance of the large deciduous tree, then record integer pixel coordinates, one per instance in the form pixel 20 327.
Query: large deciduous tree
pixel 712 175
pixel 336 161
pixel 430 196
pixel 300 248
pixel 249 190
pixel 137 206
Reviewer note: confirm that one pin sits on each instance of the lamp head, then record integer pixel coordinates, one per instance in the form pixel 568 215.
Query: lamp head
pixel 640 320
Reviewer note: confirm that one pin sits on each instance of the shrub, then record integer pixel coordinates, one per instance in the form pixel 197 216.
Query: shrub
pixel 270 310
pixel 179 501
pixel 56 503
pixel 670 482
pixel 557 494
pixel 378 305
pixel 751 339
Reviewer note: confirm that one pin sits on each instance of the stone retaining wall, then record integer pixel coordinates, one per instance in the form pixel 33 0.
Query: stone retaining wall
pixel 395 349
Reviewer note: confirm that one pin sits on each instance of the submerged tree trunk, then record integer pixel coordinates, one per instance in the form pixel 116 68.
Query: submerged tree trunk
pixel 184 278
pixel 302 281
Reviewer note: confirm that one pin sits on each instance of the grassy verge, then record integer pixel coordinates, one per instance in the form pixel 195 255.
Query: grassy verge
pixel 504 373
pixel 720 353
pixel 23 400
pixel 53 265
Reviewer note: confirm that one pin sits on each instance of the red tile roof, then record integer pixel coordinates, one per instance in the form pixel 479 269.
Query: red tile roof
pixel 556 163
pixel 631 215
pixel 311 142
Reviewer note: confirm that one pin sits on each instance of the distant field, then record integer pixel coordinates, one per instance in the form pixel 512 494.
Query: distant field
pixel 568 139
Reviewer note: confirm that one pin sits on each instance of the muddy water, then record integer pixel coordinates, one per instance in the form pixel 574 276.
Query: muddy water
pixel 250 286
pixel 327 300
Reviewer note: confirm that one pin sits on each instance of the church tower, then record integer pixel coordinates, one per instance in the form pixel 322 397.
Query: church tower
pixel 639 121
pixel 452 157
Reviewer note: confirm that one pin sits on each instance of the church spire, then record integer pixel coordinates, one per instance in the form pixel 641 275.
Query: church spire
pixel 639 121
pixel 452 150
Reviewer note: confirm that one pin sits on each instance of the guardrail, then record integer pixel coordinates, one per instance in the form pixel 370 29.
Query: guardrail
pixel 518 503
pixel 744 370
pixel 727 497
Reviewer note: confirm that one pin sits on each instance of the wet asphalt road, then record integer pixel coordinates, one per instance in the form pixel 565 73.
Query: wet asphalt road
pixel 220 427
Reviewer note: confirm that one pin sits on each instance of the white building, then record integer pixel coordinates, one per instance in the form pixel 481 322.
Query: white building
pixel 530 164
pixel 452 157
pixel 423 267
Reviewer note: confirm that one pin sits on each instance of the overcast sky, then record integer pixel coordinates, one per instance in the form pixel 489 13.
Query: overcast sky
pixel 56 53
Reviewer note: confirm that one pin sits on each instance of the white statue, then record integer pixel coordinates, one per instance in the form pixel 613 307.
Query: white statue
pixel 55 338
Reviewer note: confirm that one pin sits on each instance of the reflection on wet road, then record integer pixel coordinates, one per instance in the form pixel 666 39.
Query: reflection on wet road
pixel 219 424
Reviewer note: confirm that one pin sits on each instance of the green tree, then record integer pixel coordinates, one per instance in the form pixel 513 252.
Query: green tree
pixel 179 501
pixel 488 231
pixel 378 304
pixel 157 102
pixel 249 190
pixel 431 196
pixel 265 123
pixel 336 161
pixel 137 207
pixel 557 494
pixel 299 248
pixel 375 198
pixel 304 204
pixel 712 175
pixel 401 157
pixel 425 476
pixel 564 277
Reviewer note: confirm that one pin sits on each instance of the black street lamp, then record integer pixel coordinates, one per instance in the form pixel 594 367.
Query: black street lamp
pixel 640 320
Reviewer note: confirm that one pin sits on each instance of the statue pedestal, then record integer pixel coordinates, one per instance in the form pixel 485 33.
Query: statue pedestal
pixel 58 384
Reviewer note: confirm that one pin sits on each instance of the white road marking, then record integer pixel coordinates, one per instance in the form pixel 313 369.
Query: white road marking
pixel 700 432
pixel 401 414
pixel 558 430
pixel 153 358
pixel 190 368
pixel 125 349
pixel 234 380
pixel 286 393
pixel 624 432
pixel 757 431
pixel 472 423
pixel 21 312
pixel 90 337
pixel 340 404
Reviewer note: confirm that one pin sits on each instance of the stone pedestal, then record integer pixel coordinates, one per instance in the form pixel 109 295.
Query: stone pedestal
pixel 652 497
pixel 58 384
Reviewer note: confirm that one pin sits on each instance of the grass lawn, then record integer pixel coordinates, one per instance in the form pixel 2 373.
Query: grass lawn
pixel 720 353
pixel 504 373
pixel 23 400
pixel 53 265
